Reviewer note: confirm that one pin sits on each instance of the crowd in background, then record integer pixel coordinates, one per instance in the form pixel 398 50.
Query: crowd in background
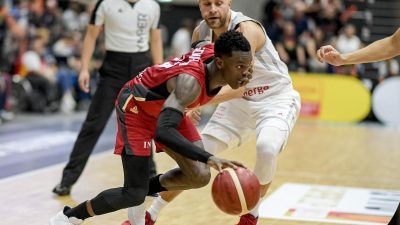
pixel 40 44
pixel 40 49
pixel 300 27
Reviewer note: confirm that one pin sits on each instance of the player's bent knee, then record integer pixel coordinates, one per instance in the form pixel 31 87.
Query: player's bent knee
pixel 134 196
pixel 270 144
pixel 267 150
pixel 200 178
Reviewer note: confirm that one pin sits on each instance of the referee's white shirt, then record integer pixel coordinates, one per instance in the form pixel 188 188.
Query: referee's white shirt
pixel 127 27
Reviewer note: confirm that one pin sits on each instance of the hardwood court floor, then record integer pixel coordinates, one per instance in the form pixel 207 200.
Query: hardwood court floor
pixel 345 155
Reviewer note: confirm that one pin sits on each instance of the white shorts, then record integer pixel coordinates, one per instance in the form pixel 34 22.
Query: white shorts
pixel 236 121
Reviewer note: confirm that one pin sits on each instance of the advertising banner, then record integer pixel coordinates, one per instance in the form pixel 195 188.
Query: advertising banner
pixel 333 204
pixel 335 98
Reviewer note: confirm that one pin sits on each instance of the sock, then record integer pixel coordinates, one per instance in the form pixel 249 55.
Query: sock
pixel 155 185
pixel 79 212
pixel 254 211
pixel 155 208
pixel 136 214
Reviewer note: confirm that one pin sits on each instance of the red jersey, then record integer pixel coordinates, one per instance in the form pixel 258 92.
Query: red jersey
pixel 149 87
pixel 141 99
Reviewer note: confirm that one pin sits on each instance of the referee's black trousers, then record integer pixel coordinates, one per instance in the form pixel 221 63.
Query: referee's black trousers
pixel 99 112
pixel 117 69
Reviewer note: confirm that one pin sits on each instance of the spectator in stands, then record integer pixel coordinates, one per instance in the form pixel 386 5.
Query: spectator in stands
pixel 3 95
pixel 316 40
pixel 300 20
pixel 287 9
pixel 182 39
pixel 290 51
pixel 312 9
pixel 348 41
pixel 5 92
pixel 8 27
pixel 387 68
pixel 272 20
pixel 329 21
pixel 41 74
pixel 66 50
pixel 75 17
pixel 52 20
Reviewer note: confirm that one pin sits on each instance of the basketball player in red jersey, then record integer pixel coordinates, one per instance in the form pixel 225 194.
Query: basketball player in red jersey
pixel 152 106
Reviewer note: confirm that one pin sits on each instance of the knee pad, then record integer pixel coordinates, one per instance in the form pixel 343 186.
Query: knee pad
pixel 118 198
pixel 268 147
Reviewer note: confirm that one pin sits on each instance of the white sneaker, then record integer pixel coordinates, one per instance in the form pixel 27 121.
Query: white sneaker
pixel 61 219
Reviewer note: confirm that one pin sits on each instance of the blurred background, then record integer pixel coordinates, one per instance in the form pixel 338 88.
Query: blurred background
pixel 40 42
pixel 347 133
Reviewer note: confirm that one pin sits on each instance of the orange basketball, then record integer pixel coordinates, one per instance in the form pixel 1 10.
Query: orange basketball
pixel 236 191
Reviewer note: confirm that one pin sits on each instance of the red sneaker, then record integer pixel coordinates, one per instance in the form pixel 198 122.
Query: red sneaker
pixel 126 223
pixel 248 219
pixel 147 220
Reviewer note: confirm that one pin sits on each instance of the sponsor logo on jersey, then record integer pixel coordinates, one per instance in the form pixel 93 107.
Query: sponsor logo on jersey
pixel 255 91
pixel 147 144
pixel 134 110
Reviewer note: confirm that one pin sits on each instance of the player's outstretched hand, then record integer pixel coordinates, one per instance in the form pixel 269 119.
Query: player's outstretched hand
pixel 219 164
pixel 330 55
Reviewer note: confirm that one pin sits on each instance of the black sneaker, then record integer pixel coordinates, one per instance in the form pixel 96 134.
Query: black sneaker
pixel 155 195
pixel 61 190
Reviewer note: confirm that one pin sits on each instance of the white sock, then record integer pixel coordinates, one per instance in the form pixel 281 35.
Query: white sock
pixel 155 208
pixel 254 211
pixel 136 214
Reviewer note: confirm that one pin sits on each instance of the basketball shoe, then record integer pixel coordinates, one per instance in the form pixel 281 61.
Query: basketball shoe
pixel 62 190
pixel 147 220
pixel 248 219
pixel 61 219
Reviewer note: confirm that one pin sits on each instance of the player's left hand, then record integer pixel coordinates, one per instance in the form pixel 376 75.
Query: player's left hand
pixel 219 164
pixel 330 55
pixel 194 115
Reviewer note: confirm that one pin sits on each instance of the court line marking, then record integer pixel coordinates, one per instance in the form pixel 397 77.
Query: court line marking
pixel 52 167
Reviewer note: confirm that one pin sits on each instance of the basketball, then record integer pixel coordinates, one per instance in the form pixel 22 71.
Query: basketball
pixel 237 191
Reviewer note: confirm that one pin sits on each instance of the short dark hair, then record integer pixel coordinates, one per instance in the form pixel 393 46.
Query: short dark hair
pixel 230 41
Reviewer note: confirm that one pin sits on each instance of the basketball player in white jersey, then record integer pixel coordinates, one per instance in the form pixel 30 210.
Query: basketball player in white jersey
pixel 267 108
pixel 132 43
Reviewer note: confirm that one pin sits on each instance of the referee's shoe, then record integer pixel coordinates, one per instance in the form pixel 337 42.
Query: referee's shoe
pixel 62 190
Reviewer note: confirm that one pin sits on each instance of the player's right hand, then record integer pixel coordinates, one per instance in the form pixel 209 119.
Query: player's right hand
pixel 84 79
pixel 330 55
pixel 194 115
pixel 219 164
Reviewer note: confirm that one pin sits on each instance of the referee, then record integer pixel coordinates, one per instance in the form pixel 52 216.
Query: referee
pixel 132 42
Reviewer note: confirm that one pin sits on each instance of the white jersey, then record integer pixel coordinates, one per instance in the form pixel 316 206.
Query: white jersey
pixel 127 25
pixel 270 74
